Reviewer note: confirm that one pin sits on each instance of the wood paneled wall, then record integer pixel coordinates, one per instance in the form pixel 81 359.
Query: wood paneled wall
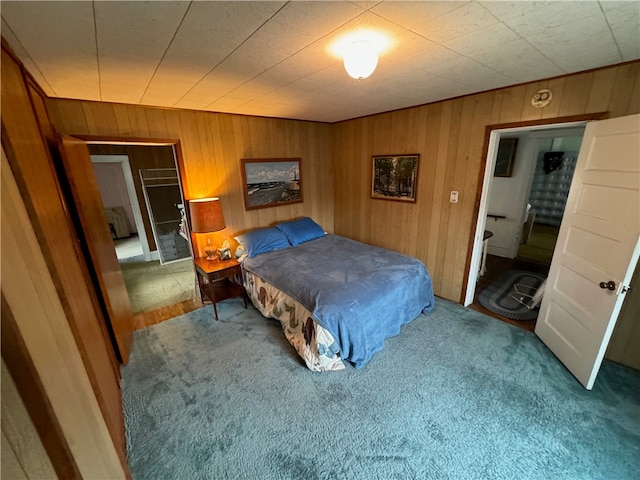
pixel 40 350
pixel 212 145
pixel 450 137
pixel 62 298
pixel 140 157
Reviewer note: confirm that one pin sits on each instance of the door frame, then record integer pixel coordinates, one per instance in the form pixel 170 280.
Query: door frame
pixel 147 142
pixel 123 160
pixel 492 138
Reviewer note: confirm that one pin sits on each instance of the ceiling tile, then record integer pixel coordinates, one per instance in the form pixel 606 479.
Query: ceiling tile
pixel 65 56
pixel 415 13
pixel 438 21
pixel 28 62
pixel 557 31
pixel 531 16
pixel 516 54
pixel 293 28
pixel 624 18
pixel 276 58
pixel 209 33
pixel 132 38
pixel 568 47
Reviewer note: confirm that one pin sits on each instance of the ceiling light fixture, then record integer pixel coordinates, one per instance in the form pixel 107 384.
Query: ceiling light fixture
pixel 360 59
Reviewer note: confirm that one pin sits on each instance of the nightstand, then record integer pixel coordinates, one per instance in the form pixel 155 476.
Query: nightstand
pixel 219 280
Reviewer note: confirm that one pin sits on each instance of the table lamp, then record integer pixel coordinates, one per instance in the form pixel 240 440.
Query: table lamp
pixel 206 217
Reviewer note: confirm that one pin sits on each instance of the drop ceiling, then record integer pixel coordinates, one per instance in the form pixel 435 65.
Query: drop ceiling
pixel 275 59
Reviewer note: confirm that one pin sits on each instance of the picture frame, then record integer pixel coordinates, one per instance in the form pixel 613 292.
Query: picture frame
pixel 271 182
pixel 394 177
pixel 504 157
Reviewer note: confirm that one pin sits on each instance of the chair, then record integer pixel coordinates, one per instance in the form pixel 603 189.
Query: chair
pixel 529 298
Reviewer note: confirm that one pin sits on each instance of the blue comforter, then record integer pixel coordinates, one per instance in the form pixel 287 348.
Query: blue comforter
pixel 361 294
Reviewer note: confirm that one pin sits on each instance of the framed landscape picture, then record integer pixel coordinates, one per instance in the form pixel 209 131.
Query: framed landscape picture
pixel 394 177
pixel 270 182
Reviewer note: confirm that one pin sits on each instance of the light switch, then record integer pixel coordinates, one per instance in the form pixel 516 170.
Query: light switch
pixel 453 198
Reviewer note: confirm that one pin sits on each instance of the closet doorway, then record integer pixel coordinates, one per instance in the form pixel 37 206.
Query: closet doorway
pixel 524 209
pixel 142 194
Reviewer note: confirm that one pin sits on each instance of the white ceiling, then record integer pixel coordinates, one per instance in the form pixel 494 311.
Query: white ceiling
pixel 273 58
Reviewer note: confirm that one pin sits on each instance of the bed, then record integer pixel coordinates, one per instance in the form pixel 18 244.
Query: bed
pixel 337 299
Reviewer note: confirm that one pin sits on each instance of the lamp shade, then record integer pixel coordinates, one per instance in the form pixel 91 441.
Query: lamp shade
pixel 360 59
pixel 206 215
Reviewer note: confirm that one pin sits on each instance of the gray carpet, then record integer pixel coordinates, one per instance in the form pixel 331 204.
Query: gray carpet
pixel 151 286
pixel 457 395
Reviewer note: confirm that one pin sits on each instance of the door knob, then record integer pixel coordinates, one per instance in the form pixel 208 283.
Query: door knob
pixel 610 285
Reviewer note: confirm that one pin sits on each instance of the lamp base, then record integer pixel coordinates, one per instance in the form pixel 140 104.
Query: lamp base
pixel 211 253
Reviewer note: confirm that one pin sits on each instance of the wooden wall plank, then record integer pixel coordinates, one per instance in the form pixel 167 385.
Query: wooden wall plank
pixel 575 94
pixel 600 93
pixel 624 90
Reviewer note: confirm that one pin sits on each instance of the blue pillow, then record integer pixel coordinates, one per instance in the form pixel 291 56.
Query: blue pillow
pixel 262 240
pixel 300 231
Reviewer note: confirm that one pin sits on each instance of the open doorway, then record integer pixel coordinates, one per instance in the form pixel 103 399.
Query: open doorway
pixel 525 192
pixel 141 191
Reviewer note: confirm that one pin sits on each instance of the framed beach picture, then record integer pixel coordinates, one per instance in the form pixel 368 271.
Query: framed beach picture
pixel 270 182
pixel 394 177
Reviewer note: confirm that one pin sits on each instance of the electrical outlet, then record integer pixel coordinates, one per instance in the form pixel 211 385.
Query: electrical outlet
pixel 453 198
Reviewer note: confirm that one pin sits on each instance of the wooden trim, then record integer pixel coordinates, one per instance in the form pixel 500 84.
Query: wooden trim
pixel 543 121
pixel 483 165
pixel 25 73
pixel 149 142
pixel 182 109
pixel 24 374
pixel 117 140
pixel 47 130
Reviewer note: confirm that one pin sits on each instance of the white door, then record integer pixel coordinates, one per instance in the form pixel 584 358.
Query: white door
pixel 598 243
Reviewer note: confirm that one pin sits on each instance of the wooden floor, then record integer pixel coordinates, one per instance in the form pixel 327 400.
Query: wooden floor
pixel 145 319
pixel 496 266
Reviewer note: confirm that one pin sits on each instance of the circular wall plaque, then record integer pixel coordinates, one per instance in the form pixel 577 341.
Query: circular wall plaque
pixel 541 98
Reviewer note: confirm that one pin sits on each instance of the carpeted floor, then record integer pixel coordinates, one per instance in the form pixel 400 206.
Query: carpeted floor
pixel 457 395
pixel 151 286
